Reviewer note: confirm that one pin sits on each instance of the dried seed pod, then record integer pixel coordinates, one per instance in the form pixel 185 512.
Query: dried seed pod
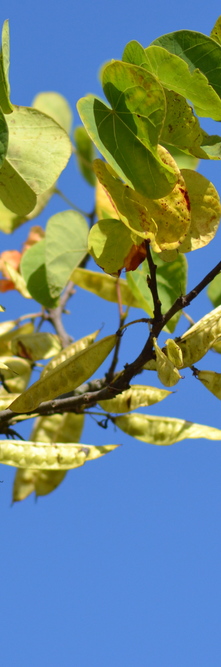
pixel 211 380
pixel 166 370
pixel 196 342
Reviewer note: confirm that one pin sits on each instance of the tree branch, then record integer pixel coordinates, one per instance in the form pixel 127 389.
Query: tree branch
pixel 152 284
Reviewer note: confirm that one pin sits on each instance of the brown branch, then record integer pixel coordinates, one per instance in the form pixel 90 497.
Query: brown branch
pixel 98 390
pixel 55 315
pixel 152 284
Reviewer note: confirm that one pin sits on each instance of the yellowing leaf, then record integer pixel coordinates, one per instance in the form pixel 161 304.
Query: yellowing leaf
pixel 205 211
pixel 135 397
pixel 104 206
pixel 110 243
pixel 18 280
pixel 104 286
pixel 35 346
pixel 165 222
pixel 166 370
pixel 164 430
pixel 65 377
pixel 42 456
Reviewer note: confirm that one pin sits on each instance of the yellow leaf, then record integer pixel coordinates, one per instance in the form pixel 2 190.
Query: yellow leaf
pixel 205 211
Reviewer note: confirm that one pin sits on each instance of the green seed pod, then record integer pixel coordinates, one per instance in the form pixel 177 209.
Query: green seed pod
pixel 42 456
pixel 163 430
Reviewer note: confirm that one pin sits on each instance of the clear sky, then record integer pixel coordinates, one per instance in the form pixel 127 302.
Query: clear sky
pixel 120 567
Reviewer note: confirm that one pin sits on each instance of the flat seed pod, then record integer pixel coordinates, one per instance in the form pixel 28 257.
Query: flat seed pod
pixel 65 377
pixel 41 456
pixel 163 430
pixel 69 351
pixel 17 374
pixel 36 346
pixel 174 353
pixel 166 371
pixel 211 380
pixel 136 397
pixel 49 430
pixel 196 342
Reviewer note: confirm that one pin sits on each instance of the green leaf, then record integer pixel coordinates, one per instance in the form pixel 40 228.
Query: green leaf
pixel 36 345
pixel 66 239
pixel 136 397
pixel 66 377
pixel 127 135
pixel 171 283
pixel 33 270
pixel 214 291
pixel 41 456
pixel 3 138
pixel 15 193
pixel 5 103
pixel 104 286
pixel 56 106
pixel 164 430
pixel 85 154
pixel 216 31
pixel 166 63
pixel 198 51
pixel 181 127
pixel 109 243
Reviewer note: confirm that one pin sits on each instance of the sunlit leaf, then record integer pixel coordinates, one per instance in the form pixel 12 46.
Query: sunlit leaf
pixel 181 127
pixel 136 397
pixel 33 271
pixel 216 31
pixel 66 239
pixel 164 222
pixel 56 106
pixel 205 211
pixel 164 430
pixel 42 456
pixel 128 135
pixel 106 249
pixel 69 351
pixel 85 154
pixel 66 377
pixel 104 286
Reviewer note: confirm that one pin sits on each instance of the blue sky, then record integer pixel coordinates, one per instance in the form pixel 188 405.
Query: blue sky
pixel 120 567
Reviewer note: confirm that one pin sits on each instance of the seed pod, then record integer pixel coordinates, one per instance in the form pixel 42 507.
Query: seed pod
pixel 65 377
pixel 211 380
pixel 196 342
pixel 163 430
pixel 136 397
pixel 69 351
pixel 166 370
pixel 41 456
pixel 174 353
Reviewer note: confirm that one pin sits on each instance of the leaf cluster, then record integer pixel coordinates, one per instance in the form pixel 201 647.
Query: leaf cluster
pixel 138 147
